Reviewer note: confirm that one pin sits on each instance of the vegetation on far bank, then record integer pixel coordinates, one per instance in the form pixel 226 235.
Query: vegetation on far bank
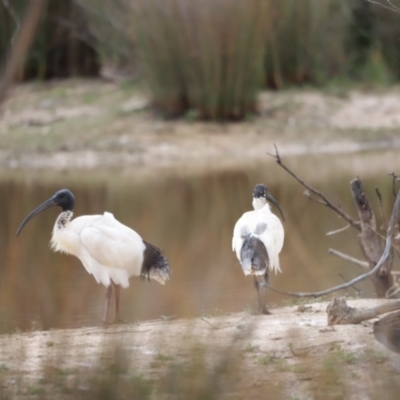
pixel 210 61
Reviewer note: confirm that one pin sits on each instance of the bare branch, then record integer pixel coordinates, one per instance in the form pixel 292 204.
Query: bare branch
pixel 363 264
pixel 371 244
pixel 392 292
pixel 338 230
pixel 381 211
pixel 391 6
pixel 323 200
pixel 356 289
pixel 14 16
pixel 394 179
pixel 385 255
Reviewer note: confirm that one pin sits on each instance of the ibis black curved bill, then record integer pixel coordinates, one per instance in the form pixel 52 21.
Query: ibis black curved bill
pixel 63 198
pixel 275 203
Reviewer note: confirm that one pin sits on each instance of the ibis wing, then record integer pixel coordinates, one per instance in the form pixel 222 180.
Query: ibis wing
pixel 111 249
pixel 267 227
pixel 242 228
pixel 111 245
pixel 273 237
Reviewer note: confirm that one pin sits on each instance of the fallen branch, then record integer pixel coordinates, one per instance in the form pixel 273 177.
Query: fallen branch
pixel 339 313
pixel 322 199
pixel 345 257
pixel 383 258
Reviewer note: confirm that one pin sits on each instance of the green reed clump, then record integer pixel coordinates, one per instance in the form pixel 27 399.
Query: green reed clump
pixel 306 41
pixel 205 56
pixel 320 41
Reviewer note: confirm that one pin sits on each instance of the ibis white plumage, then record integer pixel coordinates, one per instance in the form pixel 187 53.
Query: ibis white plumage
pixel 109 250
pixel 258 239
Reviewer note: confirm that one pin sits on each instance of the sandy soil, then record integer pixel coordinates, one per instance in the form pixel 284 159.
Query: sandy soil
pixel 293 353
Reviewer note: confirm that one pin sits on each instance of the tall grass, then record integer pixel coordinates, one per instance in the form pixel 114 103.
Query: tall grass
pixel 306 42
pixel 209 58
pixel 206 56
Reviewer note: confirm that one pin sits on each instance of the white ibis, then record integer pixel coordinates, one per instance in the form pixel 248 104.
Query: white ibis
pixel 109 250
pixel 258 239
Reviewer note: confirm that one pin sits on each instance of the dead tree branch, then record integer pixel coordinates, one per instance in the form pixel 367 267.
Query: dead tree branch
pixel 395 179
pixel 381 211
pixel 339 313
pixel 370 242
pixel 21 45
pixel 356 289
pixel 320 197
pixel 383 258
pixel 338 230
pixel 345 257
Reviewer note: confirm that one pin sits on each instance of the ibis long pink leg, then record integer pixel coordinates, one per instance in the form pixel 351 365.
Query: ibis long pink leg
pixel 107 305
pixel 116 304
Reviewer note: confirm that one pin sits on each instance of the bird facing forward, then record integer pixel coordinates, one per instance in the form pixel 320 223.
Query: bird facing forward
pixel 109 250
pixel 257 240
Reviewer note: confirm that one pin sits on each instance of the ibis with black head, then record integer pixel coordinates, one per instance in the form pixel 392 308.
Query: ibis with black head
pixel 257 241
pixel 109 250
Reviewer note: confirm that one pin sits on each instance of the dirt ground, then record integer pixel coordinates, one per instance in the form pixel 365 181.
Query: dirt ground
pixel 291 354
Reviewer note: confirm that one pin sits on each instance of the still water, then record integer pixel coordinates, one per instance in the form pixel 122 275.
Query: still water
pixel 191 219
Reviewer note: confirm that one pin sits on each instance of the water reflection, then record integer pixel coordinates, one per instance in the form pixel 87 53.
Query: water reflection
pixel 192 220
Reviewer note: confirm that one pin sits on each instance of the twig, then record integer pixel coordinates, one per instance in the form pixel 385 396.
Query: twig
pixel 378 193
pixel 385 255
pixel 356 289
pixel 363 264
pixel 338 230
pixel 392 292
pixel 324 200
pixel 383 237
pixel 391 6
pixel 394 179
pixel 14 16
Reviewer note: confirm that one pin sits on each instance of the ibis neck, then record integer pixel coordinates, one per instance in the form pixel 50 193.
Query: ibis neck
pixel 64 219
pixel 259 203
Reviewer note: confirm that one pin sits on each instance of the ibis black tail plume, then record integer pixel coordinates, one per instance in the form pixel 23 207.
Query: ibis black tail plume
pixel 155 265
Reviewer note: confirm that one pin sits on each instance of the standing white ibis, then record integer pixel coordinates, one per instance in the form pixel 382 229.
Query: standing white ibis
pixel 258 239
pixel 109 250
